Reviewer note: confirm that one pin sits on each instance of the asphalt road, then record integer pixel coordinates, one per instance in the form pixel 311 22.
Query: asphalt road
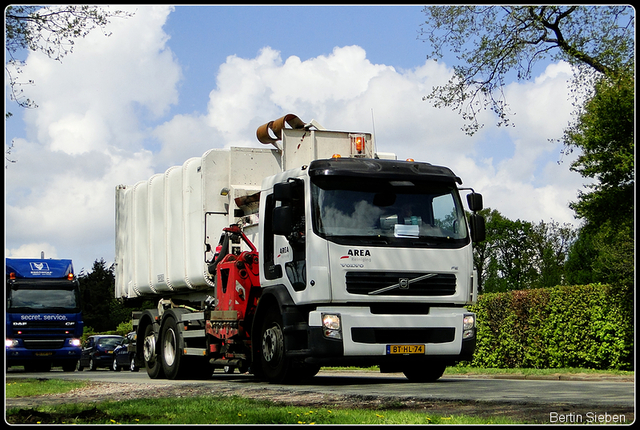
pixel 598 393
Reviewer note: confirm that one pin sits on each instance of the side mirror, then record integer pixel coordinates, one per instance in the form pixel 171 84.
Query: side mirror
pixel 282 220
pixel 283 192
pixel 477 225
pixel 475 201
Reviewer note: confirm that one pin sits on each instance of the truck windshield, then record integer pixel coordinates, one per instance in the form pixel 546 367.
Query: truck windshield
pixel 43 299
pixel 350 210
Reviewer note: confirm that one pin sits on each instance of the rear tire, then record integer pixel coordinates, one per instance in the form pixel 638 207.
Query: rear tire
pixel 151 356
pixel 114 365
pixel 174 362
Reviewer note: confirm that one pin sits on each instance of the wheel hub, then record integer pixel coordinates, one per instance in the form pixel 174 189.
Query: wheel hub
pixel 271 343
pixel 169 349
pixel 149 348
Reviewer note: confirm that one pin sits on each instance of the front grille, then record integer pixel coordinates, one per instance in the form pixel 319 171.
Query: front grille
pixel 37 328
pixel 366 282
pixel 403 335
pixel 43 343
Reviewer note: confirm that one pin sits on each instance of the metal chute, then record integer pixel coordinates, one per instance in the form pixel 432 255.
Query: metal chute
pixel 271 132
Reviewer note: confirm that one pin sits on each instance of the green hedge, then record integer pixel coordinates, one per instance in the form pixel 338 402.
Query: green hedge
pixel 588 326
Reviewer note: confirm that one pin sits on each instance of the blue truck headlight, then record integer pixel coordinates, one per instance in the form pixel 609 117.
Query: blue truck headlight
pixel 75 342
pixel 331 326
pixel 468 326
pixel 10 343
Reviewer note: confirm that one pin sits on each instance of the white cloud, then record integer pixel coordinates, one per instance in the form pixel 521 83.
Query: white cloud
pixel 87 136
pixel 32 250
pixel 96 127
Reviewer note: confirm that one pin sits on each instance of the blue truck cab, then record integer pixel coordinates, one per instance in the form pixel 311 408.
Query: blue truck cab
pixel 44 318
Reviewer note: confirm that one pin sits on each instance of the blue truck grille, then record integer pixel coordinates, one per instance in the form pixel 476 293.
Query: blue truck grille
pixel 43 343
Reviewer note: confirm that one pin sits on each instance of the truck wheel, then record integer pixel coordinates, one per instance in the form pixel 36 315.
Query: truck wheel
pixel 80 367
pixel 428 372
pixel 69 367
pixel 173 362
pixel 274 363
pixel 152 362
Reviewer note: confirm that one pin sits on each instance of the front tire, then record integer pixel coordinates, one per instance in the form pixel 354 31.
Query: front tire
pixel 429 372
pixel 132 364
pixel 69 367
pixel 273 362
pixel 275 366
pixel 114 365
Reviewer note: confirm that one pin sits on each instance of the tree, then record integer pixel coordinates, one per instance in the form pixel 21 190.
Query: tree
pixel 493 41
pixel 51 30
pixel 518 255
pixel 604 133
pixel 100 309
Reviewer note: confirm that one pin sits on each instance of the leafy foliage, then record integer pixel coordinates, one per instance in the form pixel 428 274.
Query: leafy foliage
pixel 519 255
pixel 604 133
pixel 493 41
pixel 588 326
pixel 101 311
pixel 51 30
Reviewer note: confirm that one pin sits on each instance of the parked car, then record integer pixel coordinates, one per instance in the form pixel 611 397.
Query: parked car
pixel 124 355
pixel 97 351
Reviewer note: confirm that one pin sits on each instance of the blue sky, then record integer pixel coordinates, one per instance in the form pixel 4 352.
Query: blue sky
pixel 172 82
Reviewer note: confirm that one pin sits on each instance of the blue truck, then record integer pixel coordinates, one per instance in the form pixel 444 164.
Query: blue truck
pixel 44 317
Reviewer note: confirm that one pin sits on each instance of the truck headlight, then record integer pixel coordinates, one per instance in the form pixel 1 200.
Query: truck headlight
pixel 331 326
pixel 75 342
pixel 468 326
pixel 10 343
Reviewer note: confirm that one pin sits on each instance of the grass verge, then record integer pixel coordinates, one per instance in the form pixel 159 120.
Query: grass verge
pixel 467 370
pixel 36 387
pixel 223 410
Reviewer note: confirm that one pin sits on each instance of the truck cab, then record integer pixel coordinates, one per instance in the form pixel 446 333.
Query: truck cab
pixel 44 320
pixel 368 261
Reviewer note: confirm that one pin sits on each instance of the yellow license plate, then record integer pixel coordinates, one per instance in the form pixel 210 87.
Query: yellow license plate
pixel 44 354
pixel 405 349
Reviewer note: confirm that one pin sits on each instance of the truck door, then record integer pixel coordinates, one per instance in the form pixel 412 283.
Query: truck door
pixel 285 234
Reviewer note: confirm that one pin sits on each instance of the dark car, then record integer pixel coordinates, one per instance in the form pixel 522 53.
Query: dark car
pixel 124 355
pixel 97 351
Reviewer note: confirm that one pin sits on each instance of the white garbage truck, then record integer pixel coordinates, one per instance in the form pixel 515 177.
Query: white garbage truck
pixel 314 251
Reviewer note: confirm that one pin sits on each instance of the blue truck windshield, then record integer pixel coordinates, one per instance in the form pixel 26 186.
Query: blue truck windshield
pixel 351 210
pixel 41 299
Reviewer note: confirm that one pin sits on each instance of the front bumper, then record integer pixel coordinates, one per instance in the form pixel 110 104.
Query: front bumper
pixel 366 337
pixel 18 356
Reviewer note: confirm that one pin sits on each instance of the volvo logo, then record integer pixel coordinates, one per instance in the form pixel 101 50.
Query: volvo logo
pixel 403 283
